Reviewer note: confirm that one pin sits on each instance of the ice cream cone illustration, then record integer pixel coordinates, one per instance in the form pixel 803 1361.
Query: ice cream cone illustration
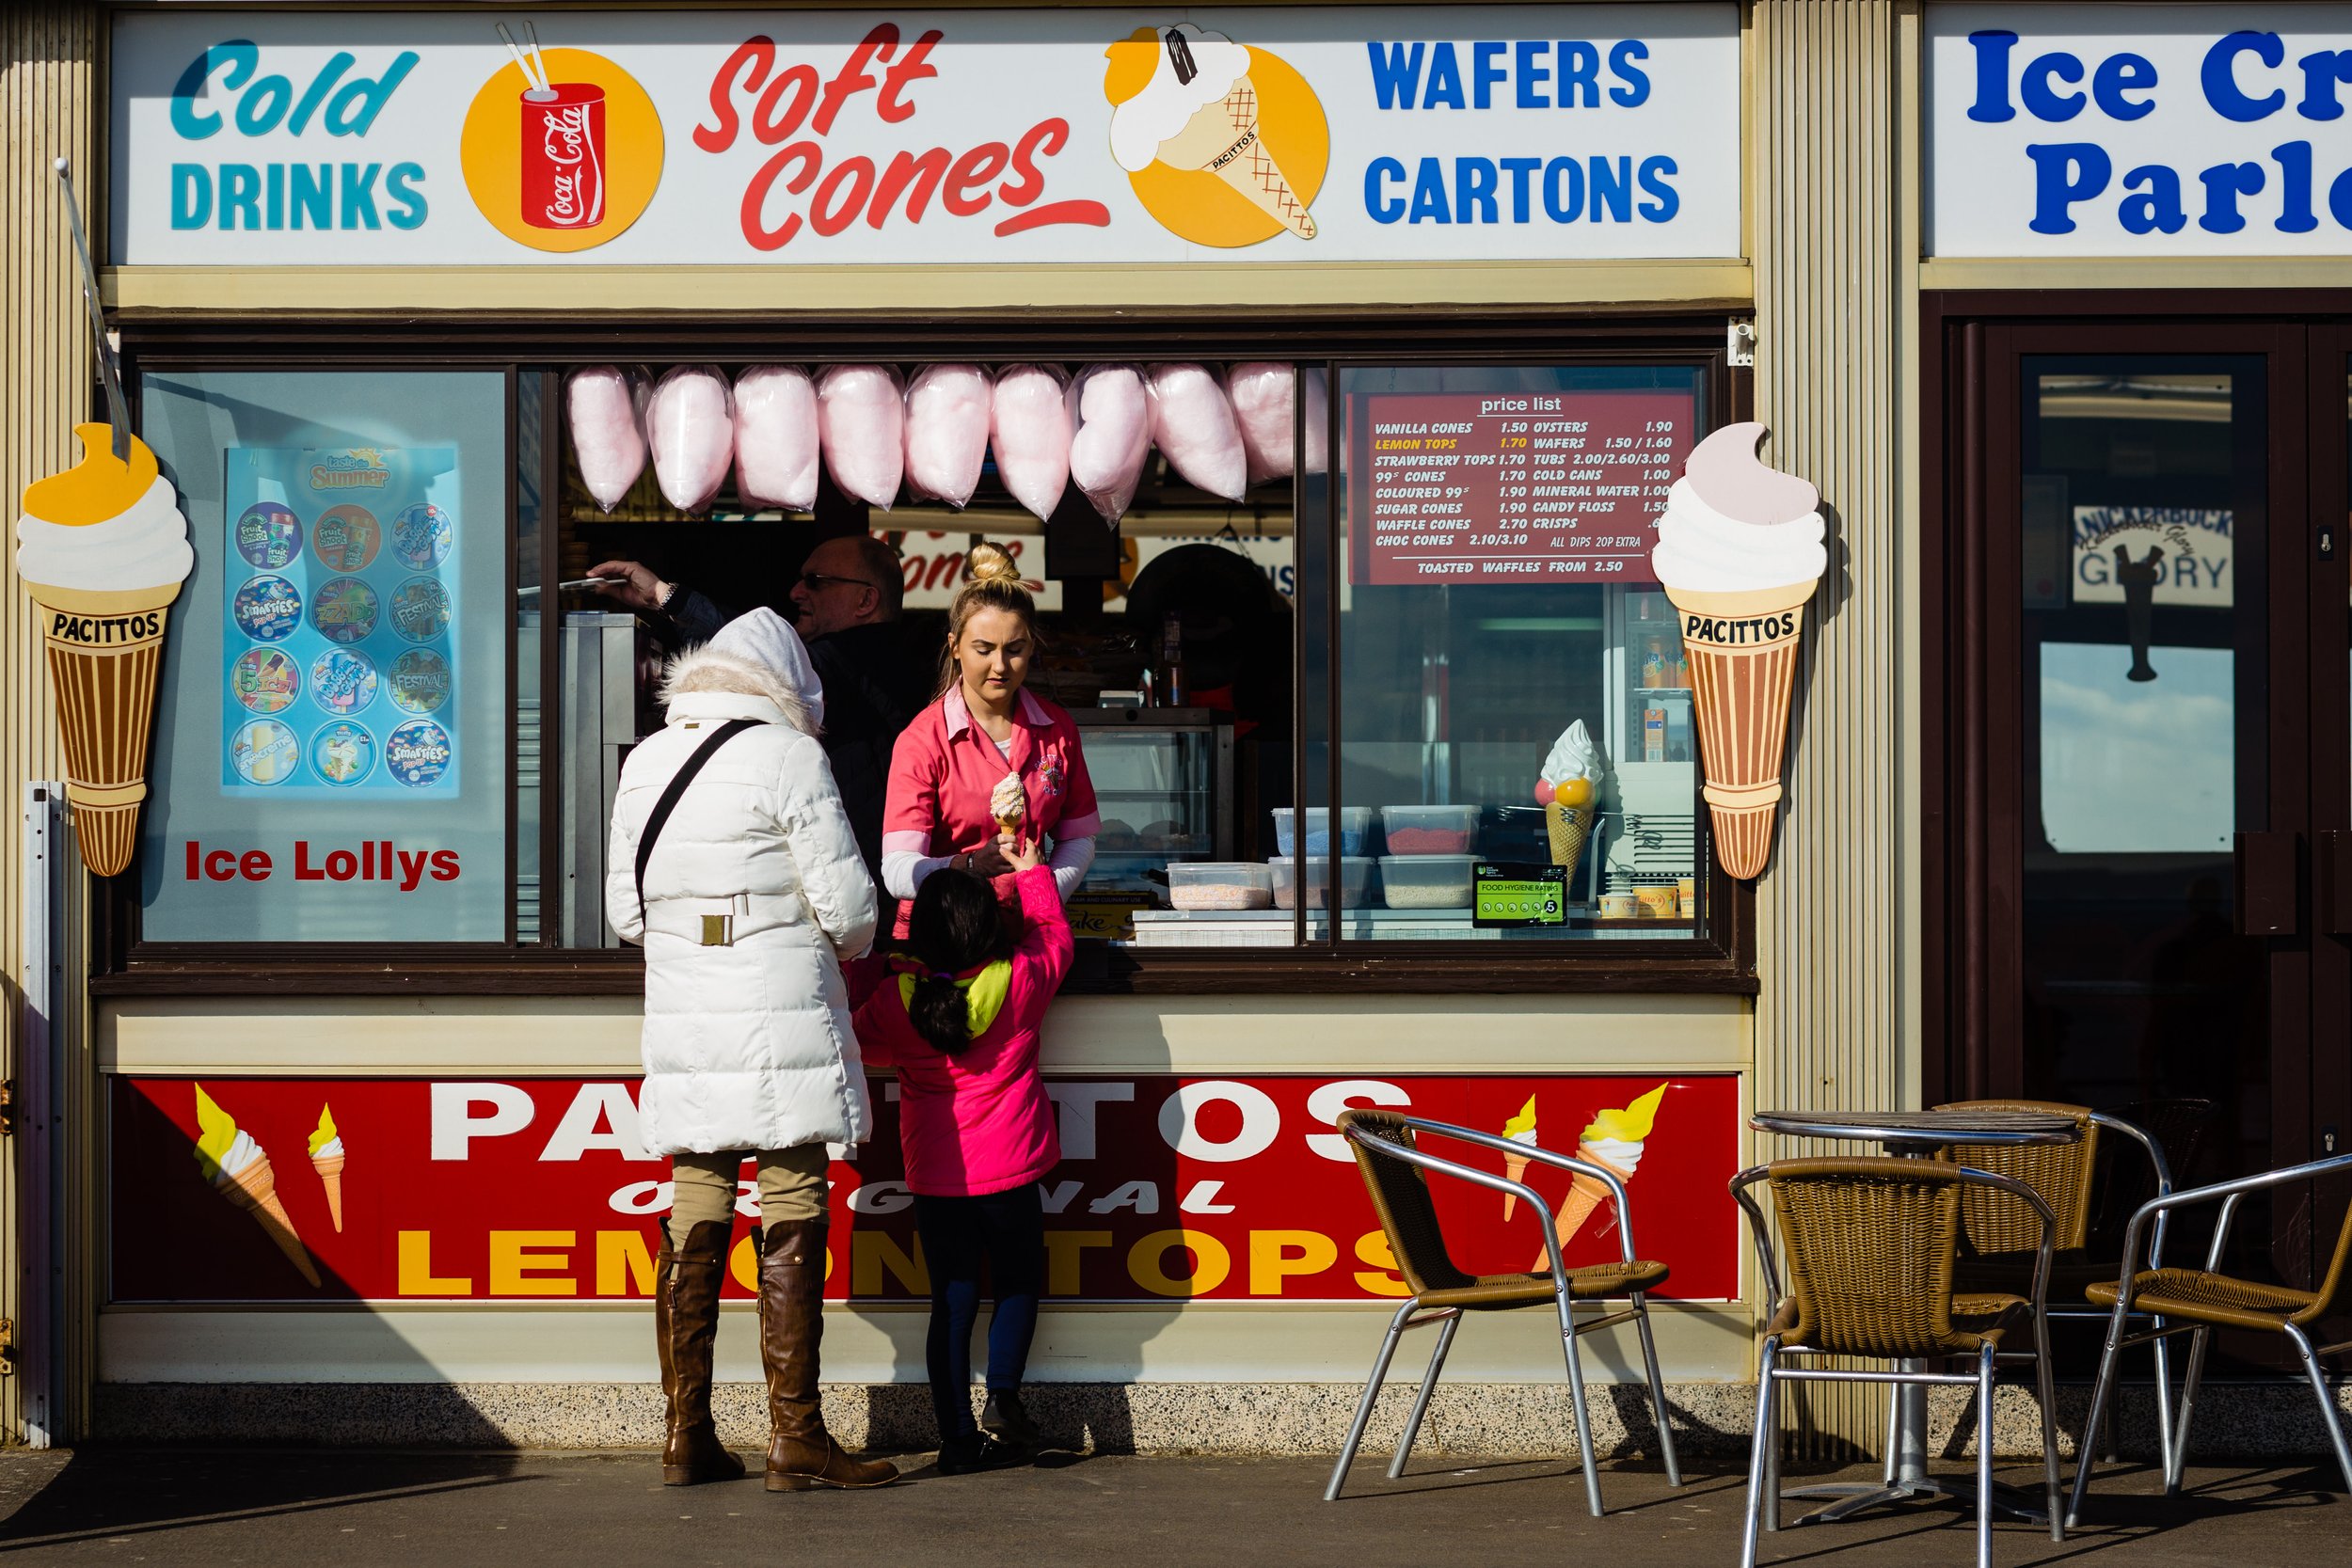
pixel 1520 1129
pixel 326 1158
pixel 1185 100
pixel 1740 552
pixel 1614 1139
pixel 1565 790
pixel 103 549
pixel 240 1171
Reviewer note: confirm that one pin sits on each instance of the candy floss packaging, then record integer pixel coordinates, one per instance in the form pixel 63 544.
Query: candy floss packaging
pixel 1110 436
pixel 1193 425
pixel 860 416
pixel 603 404
pixel 1029 427
pixel 1265 408
pixel 948 415
pixel 776 438
pixel 689 422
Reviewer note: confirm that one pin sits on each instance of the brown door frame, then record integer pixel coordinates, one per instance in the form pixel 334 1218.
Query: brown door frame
pixel 1969 540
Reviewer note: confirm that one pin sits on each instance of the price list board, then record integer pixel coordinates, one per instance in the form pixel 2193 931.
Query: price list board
pixel 1475 488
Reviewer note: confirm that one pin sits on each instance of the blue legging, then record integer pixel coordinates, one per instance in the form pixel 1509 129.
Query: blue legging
pixel 1007 1231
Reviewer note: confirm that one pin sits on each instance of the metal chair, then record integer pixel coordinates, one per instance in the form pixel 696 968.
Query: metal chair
pixel 1871 1246
pixel 2081 1183
pixel 2208 1300
pixel 1392 1162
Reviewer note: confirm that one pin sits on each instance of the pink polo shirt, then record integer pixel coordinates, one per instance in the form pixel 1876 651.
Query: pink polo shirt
pixel 945 768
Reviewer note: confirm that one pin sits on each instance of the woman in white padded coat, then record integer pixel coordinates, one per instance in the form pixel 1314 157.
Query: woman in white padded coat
pixel 754 896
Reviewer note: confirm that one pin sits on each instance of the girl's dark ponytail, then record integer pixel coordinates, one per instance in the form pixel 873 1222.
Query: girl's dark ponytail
pixel 954 927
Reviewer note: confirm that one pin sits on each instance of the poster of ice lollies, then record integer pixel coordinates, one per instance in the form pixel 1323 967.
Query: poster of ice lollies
pixel 340 648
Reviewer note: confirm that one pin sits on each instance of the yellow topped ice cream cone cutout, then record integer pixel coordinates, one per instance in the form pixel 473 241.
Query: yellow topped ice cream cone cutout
pixel 1615 1140
pixel 326 1158
pixel 239 1170
pixel 1520 1129
pixel 1225 145
pixel 102 548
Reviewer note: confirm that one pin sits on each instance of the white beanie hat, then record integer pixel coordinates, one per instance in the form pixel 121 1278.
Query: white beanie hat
pixel 767 639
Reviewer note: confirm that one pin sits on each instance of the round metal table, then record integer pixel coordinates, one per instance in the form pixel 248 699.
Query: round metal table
pixel 1915 1134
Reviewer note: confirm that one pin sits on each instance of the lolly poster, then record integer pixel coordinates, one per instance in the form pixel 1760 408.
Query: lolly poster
pixel 340 657
pixel 1170 1189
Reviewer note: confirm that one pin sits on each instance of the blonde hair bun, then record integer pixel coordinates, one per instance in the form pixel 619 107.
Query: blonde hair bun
pixel 990 563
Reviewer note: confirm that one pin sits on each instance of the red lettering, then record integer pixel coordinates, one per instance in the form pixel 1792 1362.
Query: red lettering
pixel 852 78
pixel 755 194
pixel 303 870
pixel 857 175
pixel 965 194
pixel 221 864
pixel 922 172
pixel 944 569
pixel 759 51
pixel 907 72
pixel 769 125
pixel 193 854
pixel 1041 140
pixel 253 865
pixel 342 865
pixel 445 865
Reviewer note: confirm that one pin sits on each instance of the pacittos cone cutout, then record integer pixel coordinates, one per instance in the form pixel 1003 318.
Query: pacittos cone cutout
pixel 1740 552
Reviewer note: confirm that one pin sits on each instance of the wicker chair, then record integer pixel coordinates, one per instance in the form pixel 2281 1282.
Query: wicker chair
pixel 2084 1182
pixel 1871 1246
pixel 2204 1300
pixel 1389 1156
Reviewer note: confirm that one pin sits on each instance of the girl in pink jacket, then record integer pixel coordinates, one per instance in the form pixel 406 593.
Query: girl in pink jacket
pixel 957 1013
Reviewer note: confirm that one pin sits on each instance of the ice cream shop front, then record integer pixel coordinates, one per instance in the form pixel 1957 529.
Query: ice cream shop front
pixel 1417 426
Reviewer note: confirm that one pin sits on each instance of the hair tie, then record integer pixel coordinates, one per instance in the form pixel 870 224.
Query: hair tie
pixel 943 975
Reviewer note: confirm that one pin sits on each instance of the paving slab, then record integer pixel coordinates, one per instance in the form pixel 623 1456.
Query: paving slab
pixel 519 1509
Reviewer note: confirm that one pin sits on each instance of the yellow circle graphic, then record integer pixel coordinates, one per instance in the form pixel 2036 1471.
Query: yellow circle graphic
pixel 588 166
pixel 1245 204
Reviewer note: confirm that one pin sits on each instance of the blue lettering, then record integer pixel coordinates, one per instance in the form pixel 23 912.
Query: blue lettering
pixel 2064 174
pixel 1635 92
pixel 2043 101
pixel 1378 203
pixel 1612 190
pixel 275 174
pixel 316 93
pixel 2218 75
pixel 1666 201
pixel 2224 185
pixel 263 104
pixel 240 192
pixel 2157 210
pixel 1429 194
pixel 313 194
pixel 2295 188
pixel 358 187
pixel 354 108
pixel 2117 75
pixel 1475 186
pixel 1522 170
pixel 1580 75
pixel 191 196
pixel 2323 73
pixel 400 185
pixel 1993 47
pixel 1565 207
pixel 2340 199
pixel 242 58
pixel 1445 79
pixel 1487 72
pixel 1531 73
pixel 1396 73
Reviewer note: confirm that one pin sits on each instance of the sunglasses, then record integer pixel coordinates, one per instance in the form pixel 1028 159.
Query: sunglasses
pixel 815 581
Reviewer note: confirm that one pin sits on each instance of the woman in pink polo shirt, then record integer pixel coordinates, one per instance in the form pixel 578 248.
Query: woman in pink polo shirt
pixel 988 752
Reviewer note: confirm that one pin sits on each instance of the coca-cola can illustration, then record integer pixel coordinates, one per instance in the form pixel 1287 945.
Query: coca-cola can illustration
pixel 562 153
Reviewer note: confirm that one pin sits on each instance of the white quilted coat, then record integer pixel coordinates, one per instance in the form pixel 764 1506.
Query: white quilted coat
pixel 746 1045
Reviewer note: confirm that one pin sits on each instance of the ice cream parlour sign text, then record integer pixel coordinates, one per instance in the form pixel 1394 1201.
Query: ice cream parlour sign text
pixel 1040 136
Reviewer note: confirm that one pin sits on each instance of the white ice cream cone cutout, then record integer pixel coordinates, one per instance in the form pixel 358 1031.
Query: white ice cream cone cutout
pixel 1739 551
pixel 1520 1129
pixel 103 549
pixel 1614 1139
pixel 1196 109
pixel 240 1170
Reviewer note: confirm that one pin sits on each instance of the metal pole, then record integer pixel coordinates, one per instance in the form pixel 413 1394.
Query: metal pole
pixel 40 1309
pixel 110 371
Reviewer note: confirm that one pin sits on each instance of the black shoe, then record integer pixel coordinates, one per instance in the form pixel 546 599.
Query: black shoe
pixel 1003 1417
pixel 964 1456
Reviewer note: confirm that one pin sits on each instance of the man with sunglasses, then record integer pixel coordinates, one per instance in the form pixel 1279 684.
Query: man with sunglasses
pixel 848 600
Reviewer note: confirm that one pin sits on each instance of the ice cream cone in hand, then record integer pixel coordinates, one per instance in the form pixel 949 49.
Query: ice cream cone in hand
pixel 240 1171
pixel 1008 803
pixel 326 1158
pixel 1739 551
pixel 1520 1129
pixel 1185 99
pixel 1614 1140
pixel 103 549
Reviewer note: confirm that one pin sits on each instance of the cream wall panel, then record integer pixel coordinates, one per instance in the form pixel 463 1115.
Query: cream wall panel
pixel 1834 187
pixel 554 1037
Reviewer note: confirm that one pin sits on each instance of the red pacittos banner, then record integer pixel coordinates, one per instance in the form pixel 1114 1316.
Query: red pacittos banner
pixel 1218 1189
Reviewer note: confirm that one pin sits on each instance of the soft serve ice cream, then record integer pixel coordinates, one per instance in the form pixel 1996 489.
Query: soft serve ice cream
pixel 1184 97
pixel 1739 551
pixel 103 549
pixel 1008 803
pixel 1565 787
pixel 1616 1139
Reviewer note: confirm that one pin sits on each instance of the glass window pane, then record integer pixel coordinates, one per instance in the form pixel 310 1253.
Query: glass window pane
pixel 1500 623
pixel 332 738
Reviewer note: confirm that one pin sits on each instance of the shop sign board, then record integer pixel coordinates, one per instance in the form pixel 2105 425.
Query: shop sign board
pixel 1491 487
pixel 1170 1189
pixel 1042 136
pixel 2139 130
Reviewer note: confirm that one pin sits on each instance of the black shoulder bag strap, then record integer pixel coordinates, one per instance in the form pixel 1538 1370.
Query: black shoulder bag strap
pixel 668 803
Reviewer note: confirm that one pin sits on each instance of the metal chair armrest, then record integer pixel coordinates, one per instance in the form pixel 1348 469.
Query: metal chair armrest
pixel 2156 1161
pixel 1538 1155
pixel 2229 1194
pixel 1383 1148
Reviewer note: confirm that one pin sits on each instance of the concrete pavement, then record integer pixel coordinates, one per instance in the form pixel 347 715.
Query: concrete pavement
pixel 521 1509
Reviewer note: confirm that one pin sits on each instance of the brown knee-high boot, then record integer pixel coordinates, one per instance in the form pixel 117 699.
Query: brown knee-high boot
pixel 686 1325
pixel 801 1453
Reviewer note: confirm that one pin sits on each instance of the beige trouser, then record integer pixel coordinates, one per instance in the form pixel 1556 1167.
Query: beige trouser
pixel 791 1186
